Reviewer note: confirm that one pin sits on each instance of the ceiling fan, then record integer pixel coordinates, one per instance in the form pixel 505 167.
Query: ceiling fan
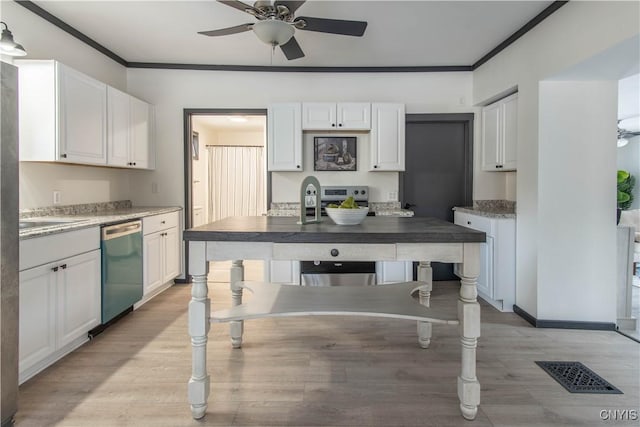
pixel 277 24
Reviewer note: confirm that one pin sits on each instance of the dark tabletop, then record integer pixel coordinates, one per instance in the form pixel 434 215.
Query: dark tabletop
pixel 278 229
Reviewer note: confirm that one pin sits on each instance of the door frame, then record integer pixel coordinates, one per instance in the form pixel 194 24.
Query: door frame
pixel 188 114
pixel 467 120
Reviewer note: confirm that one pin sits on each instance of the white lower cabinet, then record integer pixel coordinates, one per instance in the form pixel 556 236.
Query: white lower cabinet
pixel 161 250
pixel 497 279
pixel 393 272
pixel 59 304
pixel 283 272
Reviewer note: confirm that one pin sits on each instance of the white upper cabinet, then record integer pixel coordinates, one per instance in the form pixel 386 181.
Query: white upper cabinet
pixel 128 130
pixel 332 116
pixel 387 137
pixel 500 134
pixel 63 114
pixel 284 137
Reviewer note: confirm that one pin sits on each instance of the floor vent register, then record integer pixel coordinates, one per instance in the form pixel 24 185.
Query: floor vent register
pixel 577 378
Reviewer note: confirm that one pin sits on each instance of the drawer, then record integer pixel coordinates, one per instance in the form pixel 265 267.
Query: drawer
pixel 154 223
pixel 334 252
pixel 42 250
pixel 475 222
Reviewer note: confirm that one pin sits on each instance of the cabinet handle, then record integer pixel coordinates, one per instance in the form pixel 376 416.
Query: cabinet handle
pixel 468 222
pixel 54 269
pixel 64 156
pixel 333 125
pixel 335 252
pixel 375 166
pixel 340 125
pixel 298 166
pixel 162 222
pixel 134 163
pixel 63 266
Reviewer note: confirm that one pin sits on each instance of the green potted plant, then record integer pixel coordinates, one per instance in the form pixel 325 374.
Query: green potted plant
pixel 626 181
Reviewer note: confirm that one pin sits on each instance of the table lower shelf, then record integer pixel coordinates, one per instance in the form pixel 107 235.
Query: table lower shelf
pixel 392 301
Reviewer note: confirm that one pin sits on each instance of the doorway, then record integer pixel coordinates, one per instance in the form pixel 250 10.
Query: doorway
pixel 225 165
pixel 438 170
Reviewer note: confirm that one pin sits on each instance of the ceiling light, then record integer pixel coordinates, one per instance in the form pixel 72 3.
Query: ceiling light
pixel 8 46
pixel 238 119
pixel 273 32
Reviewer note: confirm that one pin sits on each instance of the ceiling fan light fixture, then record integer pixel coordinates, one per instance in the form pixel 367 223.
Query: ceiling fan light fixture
pixel 273 32
pixel 8 46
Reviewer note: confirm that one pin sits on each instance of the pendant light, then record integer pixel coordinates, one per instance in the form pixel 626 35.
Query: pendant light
pixel 7 45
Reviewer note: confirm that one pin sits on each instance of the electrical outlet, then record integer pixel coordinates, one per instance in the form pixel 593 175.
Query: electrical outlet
pixel 393 196
pixel 56 197
pixel 154 187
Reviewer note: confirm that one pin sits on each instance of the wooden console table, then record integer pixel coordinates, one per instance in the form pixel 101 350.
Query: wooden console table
pixel 377 239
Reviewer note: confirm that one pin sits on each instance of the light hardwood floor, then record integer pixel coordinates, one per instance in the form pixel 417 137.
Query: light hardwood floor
pixel 325 371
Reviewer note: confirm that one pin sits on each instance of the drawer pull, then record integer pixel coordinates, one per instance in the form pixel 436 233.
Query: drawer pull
pixel 54 269
pixel 469 222
pixel 335 252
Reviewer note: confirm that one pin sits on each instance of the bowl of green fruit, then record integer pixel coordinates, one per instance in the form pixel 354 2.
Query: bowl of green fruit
pixel 347 212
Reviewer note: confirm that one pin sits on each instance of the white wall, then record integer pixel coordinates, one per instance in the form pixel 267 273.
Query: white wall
pixel 576 201
pixel 180 89
pixel 577 32
pixel 78 184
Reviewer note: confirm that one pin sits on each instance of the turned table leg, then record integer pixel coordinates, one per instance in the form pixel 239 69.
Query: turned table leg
pixel 469 317
pixel 236 327
pixel 425 276
pixel 199 309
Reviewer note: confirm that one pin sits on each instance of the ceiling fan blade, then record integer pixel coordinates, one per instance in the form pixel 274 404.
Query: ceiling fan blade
pixel 291 5
pixel 291 49
pixel 226 31
pixel 240 6
pixel 333 26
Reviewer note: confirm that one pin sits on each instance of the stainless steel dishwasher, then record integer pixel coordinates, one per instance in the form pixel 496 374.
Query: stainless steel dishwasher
pixel 332 273
pixel 121 268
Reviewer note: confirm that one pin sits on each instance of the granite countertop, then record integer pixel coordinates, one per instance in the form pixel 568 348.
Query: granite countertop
pixel 83 216
pixel 490 208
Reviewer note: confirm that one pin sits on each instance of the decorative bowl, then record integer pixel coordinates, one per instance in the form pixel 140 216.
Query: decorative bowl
pixel 347 216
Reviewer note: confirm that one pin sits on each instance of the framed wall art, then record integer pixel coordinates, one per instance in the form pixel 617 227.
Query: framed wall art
pixel 334 153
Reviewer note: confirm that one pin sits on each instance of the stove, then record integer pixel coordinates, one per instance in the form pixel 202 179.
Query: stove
pixel 337 194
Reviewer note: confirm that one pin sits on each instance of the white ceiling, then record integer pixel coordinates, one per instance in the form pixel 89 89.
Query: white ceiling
pixel 399 33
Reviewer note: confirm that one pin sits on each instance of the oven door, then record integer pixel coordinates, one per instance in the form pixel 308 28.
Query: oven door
pixel 330 273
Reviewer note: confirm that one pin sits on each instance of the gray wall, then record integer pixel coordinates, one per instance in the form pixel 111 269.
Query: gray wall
pixel 8 243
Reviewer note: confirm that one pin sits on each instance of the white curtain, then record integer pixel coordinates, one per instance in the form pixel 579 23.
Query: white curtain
pixel 236 181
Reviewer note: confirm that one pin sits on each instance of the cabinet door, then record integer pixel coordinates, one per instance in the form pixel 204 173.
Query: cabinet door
pixel 284 141
pixel 171 259
pixel 485 278
pixel 393 272
pixel 354 115
pixel 82 110
pixel 387 137
pixel 78 288
pixel 118 127
pixel 287 272
pixel 152 265
pixel 140 141
pixel 319 116
pixel 509 129
pixel 491 137
pixel 37 315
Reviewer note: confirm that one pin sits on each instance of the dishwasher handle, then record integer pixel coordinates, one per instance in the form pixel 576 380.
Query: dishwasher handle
pixel 118 230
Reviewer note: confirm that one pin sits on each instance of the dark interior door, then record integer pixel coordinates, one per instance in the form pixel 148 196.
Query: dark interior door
pixel 439 169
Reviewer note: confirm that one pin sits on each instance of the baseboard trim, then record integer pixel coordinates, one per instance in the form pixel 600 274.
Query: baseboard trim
pixel 563 324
